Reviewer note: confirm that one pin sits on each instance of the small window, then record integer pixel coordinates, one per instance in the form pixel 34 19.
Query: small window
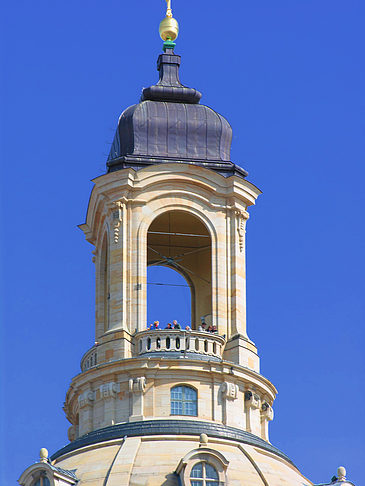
pixel 183 401
pixel 177 343
pixel 149 343
pixel 204 474
pixel 158 343
pixel 167 343
pixel 42 481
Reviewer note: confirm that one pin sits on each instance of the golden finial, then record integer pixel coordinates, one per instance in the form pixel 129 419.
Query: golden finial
pixel 169 28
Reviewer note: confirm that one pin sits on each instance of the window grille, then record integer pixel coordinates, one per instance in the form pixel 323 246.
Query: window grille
pixel 204 474
pixel 183 401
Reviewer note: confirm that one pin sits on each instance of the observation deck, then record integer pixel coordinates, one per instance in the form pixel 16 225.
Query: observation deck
pixel 173 343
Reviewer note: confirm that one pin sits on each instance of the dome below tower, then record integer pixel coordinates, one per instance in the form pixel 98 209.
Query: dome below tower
pixel 169 125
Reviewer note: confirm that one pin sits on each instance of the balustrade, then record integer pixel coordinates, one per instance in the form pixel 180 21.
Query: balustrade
pixel 89 359
pixel 173 340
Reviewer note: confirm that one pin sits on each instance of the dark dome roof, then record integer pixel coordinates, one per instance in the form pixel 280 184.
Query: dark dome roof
pixel 169 125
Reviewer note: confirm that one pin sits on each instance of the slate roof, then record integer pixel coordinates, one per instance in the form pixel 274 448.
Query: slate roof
pixel 65 472
pixel 169 427
pixel 169 125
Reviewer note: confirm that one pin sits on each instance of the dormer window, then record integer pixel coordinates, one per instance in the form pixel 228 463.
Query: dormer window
pixel 204 474
pixel 42 481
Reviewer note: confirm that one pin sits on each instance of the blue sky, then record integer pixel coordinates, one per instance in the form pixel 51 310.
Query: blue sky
pixel 289 77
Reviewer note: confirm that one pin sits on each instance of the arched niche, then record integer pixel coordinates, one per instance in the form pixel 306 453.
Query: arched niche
pixel 181 241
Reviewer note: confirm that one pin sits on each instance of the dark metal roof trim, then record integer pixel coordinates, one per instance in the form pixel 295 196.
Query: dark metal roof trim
pixel 169 427
pixel 226 169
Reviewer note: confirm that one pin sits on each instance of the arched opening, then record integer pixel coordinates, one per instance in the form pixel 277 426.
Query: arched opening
pixel 179 250
pixel 168 297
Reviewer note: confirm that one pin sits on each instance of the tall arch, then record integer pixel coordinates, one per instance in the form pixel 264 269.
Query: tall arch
pixel 180 240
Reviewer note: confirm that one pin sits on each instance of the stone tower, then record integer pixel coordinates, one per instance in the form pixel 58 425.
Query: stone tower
pixel 169 407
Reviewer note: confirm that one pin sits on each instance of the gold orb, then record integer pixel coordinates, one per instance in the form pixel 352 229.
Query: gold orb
pixel 43 454
pixel 169 29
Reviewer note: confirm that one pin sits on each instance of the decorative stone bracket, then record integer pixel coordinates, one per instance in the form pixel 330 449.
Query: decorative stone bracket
pixel 137 384
pixel 229 390
pixel 267 414
pixel 116 212
pixel 252 400
pixel 241 219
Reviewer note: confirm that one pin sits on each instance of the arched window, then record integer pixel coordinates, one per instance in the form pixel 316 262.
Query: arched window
pixel 184 401
pixel 42 481
pixel 204 474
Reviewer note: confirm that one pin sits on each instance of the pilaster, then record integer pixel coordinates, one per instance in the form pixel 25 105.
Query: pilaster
pixel 137 387
pixel 252 409
pixel 267 414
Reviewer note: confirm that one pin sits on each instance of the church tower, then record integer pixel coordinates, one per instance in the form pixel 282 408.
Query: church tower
pixel 181 406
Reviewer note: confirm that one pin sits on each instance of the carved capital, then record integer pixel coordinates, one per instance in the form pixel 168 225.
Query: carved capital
pixel 137 384
pixel 86 399
pixel 108 390
pixel 252 400
pixel 229 390
pixel 267 413
pixel 241 219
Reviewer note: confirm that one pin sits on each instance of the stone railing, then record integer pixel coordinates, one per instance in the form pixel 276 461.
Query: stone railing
pixel 89 359
pixel 173 340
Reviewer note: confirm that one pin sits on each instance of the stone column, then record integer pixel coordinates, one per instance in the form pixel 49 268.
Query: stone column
pixel 252 409
pixel 267 414
pixel 137 388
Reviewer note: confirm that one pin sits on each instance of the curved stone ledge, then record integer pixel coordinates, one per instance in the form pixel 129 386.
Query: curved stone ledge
pixel 169 427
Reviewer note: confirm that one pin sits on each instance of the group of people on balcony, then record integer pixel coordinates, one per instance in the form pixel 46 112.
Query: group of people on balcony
pixel 176 326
